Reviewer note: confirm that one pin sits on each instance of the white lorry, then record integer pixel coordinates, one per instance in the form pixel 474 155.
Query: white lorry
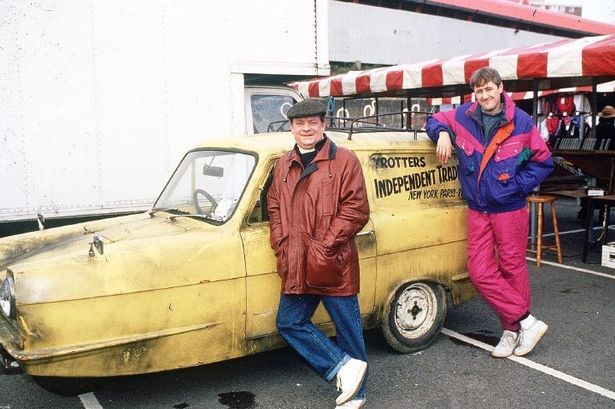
pixel 101 98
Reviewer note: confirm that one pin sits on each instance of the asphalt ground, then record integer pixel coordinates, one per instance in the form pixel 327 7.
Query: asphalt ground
pixel 573 367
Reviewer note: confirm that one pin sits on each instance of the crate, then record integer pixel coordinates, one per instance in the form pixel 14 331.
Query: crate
pixel 608 255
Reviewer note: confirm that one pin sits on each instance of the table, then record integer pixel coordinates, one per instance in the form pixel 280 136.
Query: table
pixel 607 201
pixel 601 165
pixel 592 203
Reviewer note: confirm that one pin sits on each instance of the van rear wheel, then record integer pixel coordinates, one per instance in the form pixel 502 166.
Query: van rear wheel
pixel 65 386
pixel 414 317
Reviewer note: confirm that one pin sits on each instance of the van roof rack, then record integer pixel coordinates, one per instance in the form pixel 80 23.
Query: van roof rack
pixel 362 124
pixel 371 123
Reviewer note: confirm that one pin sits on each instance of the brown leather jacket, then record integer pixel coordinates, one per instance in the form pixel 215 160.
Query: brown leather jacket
pixel 314 215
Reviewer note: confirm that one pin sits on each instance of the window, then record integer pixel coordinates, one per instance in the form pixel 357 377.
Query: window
pixel 260 213
pixel 207 184
pixel 269 112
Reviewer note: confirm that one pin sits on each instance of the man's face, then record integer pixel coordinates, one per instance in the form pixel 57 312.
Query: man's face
pixel 488 96
pixel 307 131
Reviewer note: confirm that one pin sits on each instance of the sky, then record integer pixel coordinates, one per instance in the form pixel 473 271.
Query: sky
pixel 599 10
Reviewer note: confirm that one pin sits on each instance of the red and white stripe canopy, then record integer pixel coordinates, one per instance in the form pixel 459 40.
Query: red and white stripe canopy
pixel 569 60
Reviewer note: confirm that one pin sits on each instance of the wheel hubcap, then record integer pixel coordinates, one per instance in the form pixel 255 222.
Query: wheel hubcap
pixel 416 310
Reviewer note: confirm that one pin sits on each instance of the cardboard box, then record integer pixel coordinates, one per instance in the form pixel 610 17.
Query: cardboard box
pixel 592 191
pixel 608 255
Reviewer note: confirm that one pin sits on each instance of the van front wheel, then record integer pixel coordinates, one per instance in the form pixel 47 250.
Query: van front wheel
pixel 414 317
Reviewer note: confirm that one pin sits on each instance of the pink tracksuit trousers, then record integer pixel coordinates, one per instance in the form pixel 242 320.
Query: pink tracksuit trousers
pixel 496 262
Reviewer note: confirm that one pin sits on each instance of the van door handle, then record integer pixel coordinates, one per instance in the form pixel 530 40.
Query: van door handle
pixel 369 232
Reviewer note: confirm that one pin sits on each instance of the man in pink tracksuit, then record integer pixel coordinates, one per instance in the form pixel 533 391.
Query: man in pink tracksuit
pixel 502 158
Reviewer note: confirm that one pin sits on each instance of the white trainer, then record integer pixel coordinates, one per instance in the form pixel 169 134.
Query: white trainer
pixel 507 345
pixel 529 338
pixel 352 404
pixel 349 379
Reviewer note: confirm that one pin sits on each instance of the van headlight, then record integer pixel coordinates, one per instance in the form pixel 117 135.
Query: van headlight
pixel 7 296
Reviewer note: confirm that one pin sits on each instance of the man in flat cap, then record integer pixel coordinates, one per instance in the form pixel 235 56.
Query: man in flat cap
pixel 317 203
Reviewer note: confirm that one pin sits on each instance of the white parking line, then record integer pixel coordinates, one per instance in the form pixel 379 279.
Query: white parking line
pixel 534 365
pixel 582 270
pixel 89 401
pixel 561 233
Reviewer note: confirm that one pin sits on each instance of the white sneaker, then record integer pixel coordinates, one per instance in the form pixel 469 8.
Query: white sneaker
pixel 352 404
pixel 507 345
pixel 349 379
pixel 529 338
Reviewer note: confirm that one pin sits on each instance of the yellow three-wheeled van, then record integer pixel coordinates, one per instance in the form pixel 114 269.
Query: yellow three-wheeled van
pixel 193 280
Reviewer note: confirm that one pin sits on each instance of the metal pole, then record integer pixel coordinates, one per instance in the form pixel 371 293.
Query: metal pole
pixel 377 111
pixel 533 215
pixel 409 115
pixel 594 105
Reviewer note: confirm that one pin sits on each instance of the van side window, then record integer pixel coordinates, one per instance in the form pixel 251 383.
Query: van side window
pixel 269 112
pixel 260 213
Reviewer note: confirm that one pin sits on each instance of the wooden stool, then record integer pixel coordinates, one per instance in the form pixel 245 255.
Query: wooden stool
pixel 540 201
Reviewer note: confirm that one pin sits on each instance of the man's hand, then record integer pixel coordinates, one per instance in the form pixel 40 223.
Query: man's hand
pixel 444 147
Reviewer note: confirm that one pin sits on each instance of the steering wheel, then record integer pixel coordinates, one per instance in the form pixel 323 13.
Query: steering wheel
pixel 277 126
pixel 195 200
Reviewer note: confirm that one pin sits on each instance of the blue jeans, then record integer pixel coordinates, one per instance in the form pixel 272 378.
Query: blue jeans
pixel 294 322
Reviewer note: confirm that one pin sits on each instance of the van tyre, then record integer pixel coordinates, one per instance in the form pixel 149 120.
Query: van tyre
pixel 65 386
pixel 414 316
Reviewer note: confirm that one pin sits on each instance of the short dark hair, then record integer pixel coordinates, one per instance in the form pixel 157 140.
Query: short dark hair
pixel 484 75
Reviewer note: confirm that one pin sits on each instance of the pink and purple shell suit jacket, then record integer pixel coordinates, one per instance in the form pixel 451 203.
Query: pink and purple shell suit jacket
pixel 520 163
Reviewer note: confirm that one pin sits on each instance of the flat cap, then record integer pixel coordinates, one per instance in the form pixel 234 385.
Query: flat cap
pixel 307 107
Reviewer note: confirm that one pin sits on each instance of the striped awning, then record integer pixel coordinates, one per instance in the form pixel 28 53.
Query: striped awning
pixel 572 60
